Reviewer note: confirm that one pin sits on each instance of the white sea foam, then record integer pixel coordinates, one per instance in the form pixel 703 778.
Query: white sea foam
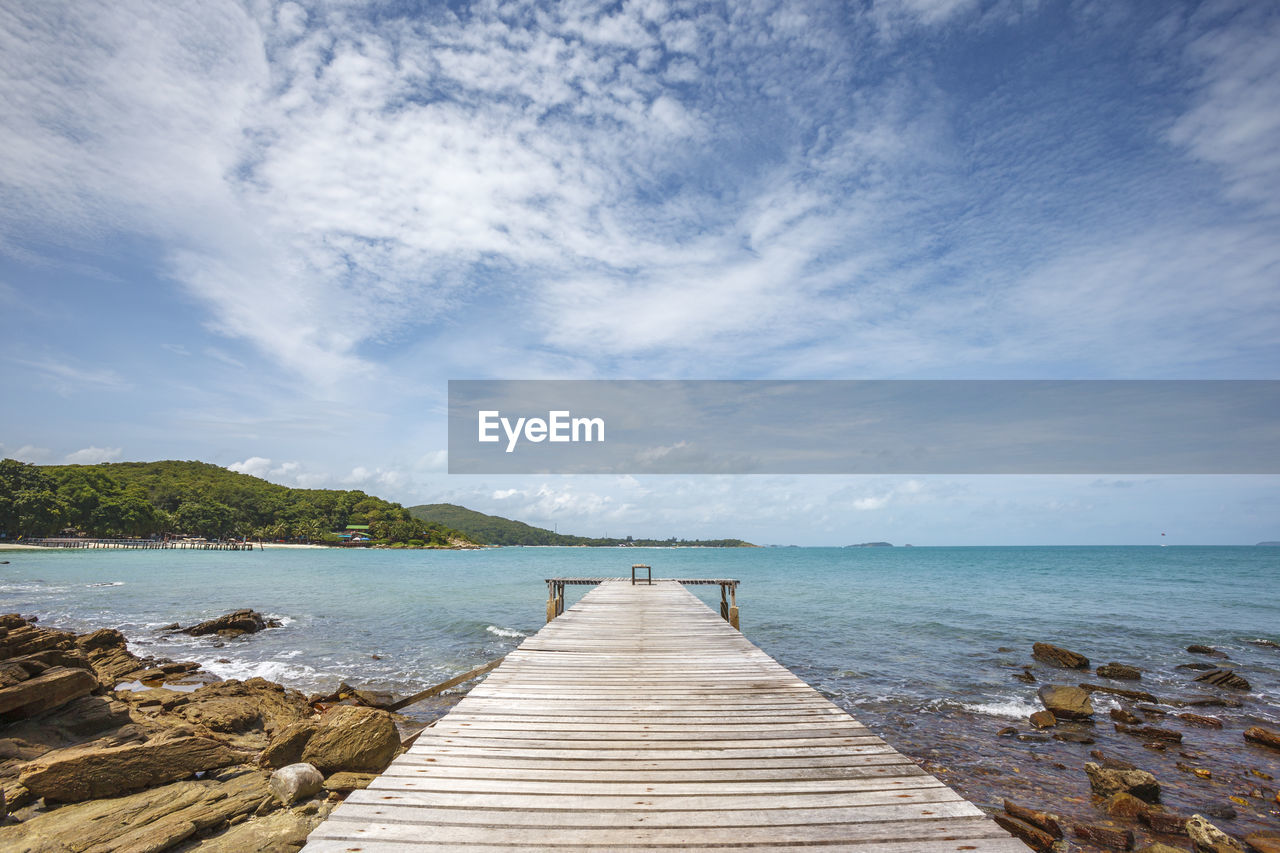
pixel 285 621
pixel 1012 707
pixel 504 632
pixel 272 670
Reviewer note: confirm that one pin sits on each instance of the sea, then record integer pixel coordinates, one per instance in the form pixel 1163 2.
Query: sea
pixel 921 644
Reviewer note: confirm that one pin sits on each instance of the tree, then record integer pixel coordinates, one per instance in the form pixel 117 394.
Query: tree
pixel 209 519
pixel 29 504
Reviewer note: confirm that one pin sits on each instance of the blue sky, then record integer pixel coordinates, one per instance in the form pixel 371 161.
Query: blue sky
pixel 266 234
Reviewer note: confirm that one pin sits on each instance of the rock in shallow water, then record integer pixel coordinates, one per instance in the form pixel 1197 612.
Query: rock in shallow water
pixel 1043 719
pixel 1207 838
pixel 1139 783
pixel 1262 737
pixel 1119 670
pixel 1224 678
pixel 1066 702
pixel 1058 656
pixel 231 624
pixel 1265 841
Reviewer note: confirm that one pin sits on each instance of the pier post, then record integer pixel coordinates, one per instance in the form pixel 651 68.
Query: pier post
pixel 733 607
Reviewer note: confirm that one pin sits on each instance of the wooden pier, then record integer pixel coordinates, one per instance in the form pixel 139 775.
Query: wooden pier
pixel 640 720
pixel 139 544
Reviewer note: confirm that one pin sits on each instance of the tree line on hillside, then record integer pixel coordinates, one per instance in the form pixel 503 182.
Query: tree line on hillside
pixel 143 499
pixel 496 530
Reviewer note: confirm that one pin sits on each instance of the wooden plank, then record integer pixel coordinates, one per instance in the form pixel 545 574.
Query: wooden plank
pixel 639 720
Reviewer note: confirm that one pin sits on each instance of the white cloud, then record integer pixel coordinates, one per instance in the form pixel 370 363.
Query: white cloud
pixel 35 455
pixel 94 455
pixel 1233 122
pixel 254 466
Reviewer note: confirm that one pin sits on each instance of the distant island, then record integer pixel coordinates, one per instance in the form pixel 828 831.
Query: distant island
pixel 871 545
pixel 496 530
pixel 1269 544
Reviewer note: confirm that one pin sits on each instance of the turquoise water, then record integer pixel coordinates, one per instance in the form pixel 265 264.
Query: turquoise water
pixel 871 627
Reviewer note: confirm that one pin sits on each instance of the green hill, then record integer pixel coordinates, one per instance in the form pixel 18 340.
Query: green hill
pixel 195 498
pixel 496 530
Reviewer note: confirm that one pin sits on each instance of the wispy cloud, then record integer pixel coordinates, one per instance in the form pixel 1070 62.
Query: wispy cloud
pixel 66 376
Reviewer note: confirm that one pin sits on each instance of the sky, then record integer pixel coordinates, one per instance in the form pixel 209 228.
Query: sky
pixel 265 235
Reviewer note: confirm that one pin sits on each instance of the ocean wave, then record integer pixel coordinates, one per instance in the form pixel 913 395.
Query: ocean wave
pixel 505 632
pixel 1011 707
pixel 272 670
pixel 285 621
pixel 106 583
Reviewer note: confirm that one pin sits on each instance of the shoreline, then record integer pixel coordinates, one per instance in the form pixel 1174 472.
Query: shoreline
pixel 99 746
pixel 974 751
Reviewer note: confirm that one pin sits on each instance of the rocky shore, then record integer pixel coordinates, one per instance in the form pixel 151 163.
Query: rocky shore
pixel 103 751
pixel 1107 765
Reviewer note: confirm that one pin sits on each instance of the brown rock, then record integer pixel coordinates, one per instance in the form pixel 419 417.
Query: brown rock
pixel 1205 650
pixel 1043 719
pixel 283 831
pixel 1266 841
pixel 1120 715
pixel 75 774
pixel 1041 820
pixel 376 699
pixel 153 820
pixel 1262 737
pixel 1214 701
pixel 25 638
pixel 349 781
pixel 1066 702
pixel 287 745
pixel 1207 838
pixel 1166 823
pixel 1025 676
pixel 1073 737
pixel 1202 722
pixel 351 737
pixel 1058 656
pixel 12 673
pixel 1224 678
pixel 53 687
pixel 1150 733
pixel 1157 847
pixel 247 710
pixel 87 716
pixel 1119 670
pixel 1124 804
pixel 1035 838
pixel 230 625
pixel 1106 782
pixel 1105 836
pixel 109 655
pixel 1111 763
pixel 1135 695
pixel 295 782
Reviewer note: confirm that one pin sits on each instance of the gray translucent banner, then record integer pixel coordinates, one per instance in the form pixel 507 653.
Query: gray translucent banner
pixel 864 427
